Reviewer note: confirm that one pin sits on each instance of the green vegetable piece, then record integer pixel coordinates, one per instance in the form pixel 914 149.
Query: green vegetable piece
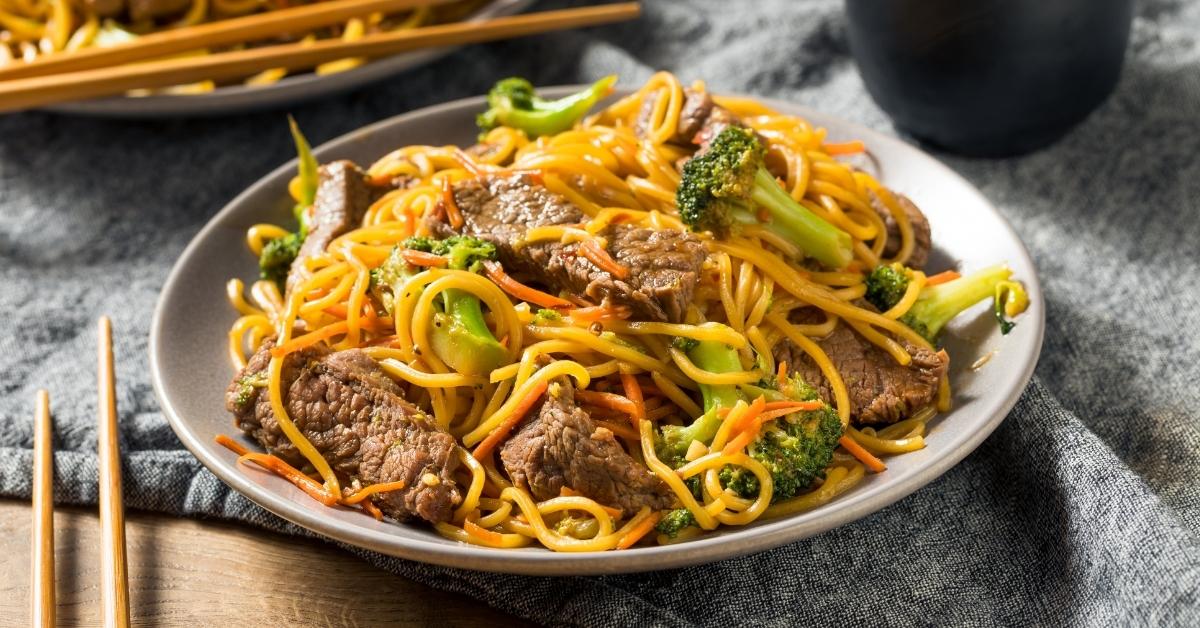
pixel 512 102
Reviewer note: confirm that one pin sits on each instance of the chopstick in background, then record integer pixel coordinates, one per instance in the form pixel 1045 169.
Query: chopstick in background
pixel 221 33
pixel 113 573
pixel 42 573
pixel 32 92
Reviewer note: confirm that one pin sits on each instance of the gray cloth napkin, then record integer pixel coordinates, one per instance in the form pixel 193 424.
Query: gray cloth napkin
pixel 1082 508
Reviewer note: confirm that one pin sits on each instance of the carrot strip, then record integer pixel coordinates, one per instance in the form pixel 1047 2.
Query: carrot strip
pixel 640 530
pixel 595 254
pixel 864 456
pixel 501 432
pixel 781 372
pixel 367 491
pixel 620 429
pixel 607 400
pixel 942 277
pixel 275 465
pixel 746 427
pixel 455 216
pixel 421 258
pixel 231 445
pixel 756 408
pixel 633 391
pixel 296 344
pixel 482 533
pixel 373 510
pixel 410 221
pixel 518 290
pixel 468 164
pixel 794 406
pixel 844 148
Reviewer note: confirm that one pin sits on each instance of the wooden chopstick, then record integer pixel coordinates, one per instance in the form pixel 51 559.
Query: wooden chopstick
pixel 222 33
pixel 113 574
pixel 45 90
pixel 43 514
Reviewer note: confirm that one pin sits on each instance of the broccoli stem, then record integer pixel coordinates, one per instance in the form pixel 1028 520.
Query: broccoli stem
pixel 937 305
pixel 717 358
pixel 791 220
pixel 464 341
pixel 512 102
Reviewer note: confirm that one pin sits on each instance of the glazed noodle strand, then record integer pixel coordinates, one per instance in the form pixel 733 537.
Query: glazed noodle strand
pixel 635 378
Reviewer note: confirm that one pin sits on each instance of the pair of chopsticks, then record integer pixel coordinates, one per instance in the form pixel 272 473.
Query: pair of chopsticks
pixel 114 576
pixel 95 72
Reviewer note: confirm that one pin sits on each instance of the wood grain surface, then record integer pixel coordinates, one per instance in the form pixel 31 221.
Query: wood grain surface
pixel 200 573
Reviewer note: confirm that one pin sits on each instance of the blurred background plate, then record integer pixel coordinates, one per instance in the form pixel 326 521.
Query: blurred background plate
pixel 191 369
pixel 290 90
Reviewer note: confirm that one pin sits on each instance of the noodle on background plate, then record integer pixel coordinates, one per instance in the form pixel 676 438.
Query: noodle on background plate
pixel 631 378
pixel 35 28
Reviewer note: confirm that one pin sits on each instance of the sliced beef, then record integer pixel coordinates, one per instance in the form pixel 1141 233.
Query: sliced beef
pixel 559 446
pixel 356 417
pixel 881 391
pixel 343 196
pixel 664 264
pixel 922 240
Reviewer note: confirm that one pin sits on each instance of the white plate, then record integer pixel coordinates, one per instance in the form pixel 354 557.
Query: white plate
pixel 191 368
pixel 290 90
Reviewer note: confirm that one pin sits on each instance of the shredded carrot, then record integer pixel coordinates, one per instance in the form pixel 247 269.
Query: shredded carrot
pixel 468 164
pixel 746 428
pixel 370 318
pixel 942 277
pixel 633 391
pixel 231 445
pixel 601 313
pixel 607 400
pixel 501 432
pixel 496 273
pixel 373 510
pixel 640 530
pixel 410 221
pixel 864 456
pixel 455 216
pixel 620 429
pixel 367 491
pixel 781 372
pixel 312 338
pixel 844 148
pixel 592 250
pixel 421 258
pixel 794 406
pixel 291 474
pixel 482 533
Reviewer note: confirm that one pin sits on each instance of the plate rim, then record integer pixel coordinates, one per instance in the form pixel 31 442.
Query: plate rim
pixel 291 90
pixel 736 543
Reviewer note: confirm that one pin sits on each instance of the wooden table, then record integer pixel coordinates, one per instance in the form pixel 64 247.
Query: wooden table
pixel 191 573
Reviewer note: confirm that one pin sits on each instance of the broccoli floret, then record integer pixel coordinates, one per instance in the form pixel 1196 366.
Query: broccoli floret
pixel 460 336
pixel 512 102
pixel 795 449
pixel 673 440
pixel 675 521
pixel 723 188
pixel 684 344
pixel 547 316
pixel 277 256
pixel 246 385
pixel 938 305
pixel 886 286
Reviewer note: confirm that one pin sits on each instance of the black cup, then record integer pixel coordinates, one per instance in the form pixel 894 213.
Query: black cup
pixel 989 77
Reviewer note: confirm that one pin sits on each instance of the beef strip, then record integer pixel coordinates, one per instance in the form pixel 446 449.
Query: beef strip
pixel 664 264
pixel 881 391
pixel 559 446
pixel 356 417
pixel 922 240
pixel 343 196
